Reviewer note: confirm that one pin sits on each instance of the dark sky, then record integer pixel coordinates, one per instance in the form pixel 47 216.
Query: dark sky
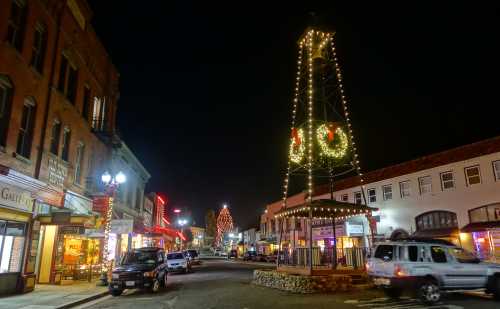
pixel 206 89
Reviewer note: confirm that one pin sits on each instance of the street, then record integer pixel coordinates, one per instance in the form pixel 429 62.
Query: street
pixel 227 284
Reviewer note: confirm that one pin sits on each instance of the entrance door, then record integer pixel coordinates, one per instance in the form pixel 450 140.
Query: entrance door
pixel 45 268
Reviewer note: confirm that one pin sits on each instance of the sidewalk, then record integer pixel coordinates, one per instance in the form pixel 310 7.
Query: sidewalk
pixel 54 296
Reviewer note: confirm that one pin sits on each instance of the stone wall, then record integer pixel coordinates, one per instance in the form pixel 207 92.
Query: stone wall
pixel 301 284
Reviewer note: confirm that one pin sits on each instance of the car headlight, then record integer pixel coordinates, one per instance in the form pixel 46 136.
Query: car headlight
pixel 115 276
pixel 149 274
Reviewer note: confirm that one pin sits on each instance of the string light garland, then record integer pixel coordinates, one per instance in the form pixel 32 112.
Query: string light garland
pixel 332 147
pixel 310 36
pixel 224 224
pixel 297 146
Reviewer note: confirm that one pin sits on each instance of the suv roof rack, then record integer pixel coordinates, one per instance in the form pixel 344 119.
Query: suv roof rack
pixel 426 240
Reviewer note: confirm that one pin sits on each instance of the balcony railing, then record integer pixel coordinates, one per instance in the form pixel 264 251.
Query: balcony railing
pixel 353 258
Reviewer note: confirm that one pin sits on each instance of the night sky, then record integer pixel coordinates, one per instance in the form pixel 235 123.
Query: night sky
pixel 206 90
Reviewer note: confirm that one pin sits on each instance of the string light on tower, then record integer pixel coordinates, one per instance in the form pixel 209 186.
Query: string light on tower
pixel 224 224
pixel 310 37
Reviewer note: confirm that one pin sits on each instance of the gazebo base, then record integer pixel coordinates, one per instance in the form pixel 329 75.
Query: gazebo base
pixel 319 271
pixel 300 283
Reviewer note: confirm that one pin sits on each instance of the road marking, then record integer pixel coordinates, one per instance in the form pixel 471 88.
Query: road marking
pixel 402 303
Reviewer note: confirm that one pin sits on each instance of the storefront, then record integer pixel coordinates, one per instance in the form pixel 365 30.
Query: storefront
pixel 438 224
pixel 17 252
pixel 482 234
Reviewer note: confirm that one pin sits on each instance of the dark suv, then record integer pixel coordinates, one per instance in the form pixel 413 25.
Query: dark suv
pixel 143 268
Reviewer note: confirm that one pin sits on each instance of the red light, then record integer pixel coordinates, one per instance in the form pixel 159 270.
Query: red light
pixel 166 221
pixel 177 211
pixel 161 200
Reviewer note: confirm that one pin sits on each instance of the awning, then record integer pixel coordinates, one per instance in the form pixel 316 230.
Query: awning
pixel 480 226
pixel 325 209
pixel 435 233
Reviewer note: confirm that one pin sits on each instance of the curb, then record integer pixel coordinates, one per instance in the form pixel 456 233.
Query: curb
pixel 83 300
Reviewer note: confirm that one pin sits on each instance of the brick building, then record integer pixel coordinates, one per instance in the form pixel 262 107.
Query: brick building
pixel 58 97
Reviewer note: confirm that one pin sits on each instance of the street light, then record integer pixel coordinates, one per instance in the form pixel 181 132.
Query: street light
pixel 111 183
pixel 181 223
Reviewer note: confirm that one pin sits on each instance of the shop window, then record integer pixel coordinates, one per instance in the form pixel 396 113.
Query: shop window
pixel 80 151
pixel 372 195
pixel 473 175
pixel 16 24
pixel 404 188
pixel 357 197
pixel 6 89
pixel 496 170
pixel 447 181
pixel 39 46
pixel 25 136
pixel 345 197
pixel 425 185
pixel 55 137
pixel 438 254
pixel 12 237
pixel 66 143
pixel 387 192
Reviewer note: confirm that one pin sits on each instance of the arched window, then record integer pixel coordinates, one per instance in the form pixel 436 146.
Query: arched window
pixel 55 137
pixel 6 91
pixel 39 46
pixel 16 24
pixel 66 143
pixel 439 219
pixel 25 136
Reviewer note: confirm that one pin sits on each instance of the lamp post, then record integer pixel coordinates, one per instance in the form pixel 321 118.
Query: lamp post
pixel 111 183
pixel 181 223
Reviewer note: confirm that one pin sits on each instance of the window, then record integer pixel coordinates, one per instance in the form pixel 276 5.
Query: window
pixel 387 192
pixel 473 175
pixel 55 137
pixel 86 103
pixel 438 254
pixel 425 185
pixel 357 198
pixel 25 137
pixel 404 188
pixel 384 252
pixel 138 198
pixel 98 114
pixel 39 45
pixel 68 79
pixel 412 253
pixel 496 169
pixel 439 219
pixel 66 142
pixel 5 107
pixel 372 195
pixel 345 197
pixel 16 24
pixel 80 151
pixel 447 181
pixel 12 237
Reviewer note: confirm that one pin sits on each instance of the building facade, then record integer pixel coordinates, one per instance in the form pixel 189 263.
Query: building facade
pixel 58 96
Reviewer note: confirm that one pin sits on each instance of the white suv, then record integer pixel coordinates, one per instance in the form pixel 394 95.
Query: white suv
pixel 428 267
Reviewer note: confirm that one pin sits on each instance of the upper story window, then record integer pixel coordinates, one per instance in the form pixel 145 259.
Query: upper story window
pixel 55 137
pixel 404 188
pixel 25 137
pixel 98 114
pixel 372 195
pixel 357 197
pixel 138 198
pixel 66 143
pixel 345 197
pixel 68 79
pixel 80 152
pixel 39 46
pixel 473 175
pixel 6 90
pixel 447 180
pixel 425 185
pixel 87 97
pixel 16 24
pixel 387 192
pixel 496 169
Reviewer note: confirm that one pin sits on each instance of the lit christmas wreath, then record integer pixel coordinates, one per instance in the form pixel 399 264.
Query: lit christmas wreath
pixel 332 141
pixel 297 146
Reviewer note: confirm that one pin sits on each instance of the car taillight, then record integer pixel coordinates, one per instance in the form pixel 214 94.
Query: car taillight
pixel 399 271
pixel 367 266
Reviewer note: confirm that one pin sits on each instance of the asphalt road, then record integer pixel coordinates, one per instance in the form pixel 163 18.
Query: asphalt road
pixel 221 284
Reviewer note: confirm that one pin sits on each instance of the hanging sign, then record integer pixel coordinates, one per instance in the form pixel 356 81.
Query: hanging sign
pixel 15 198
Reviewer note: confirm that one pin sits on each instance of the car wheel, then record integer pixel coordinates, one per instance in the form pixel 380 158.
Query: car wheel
pixel 393 292
pixel 164 281
pixel 156 286
pixel 115 292
pixel 429 292
pixel 496 288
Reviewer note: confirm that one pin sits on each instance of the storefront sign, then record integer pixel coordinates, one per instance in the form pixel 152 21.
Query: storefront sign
pixel 123 226
pixel 100 205
pixel 327 232
pixel 16 198
pixel 57 172
pixel 61 217
pixel 79 205
pixel 148 219
pixel 354 229
pixel 75 230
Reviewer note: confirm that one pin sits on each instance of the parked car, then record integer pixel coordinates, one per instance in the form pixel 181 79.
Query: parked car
pixel 178 262
pixel 260 258
pixel 191 254
pixel 143 268
pixel 220 252
pixel 232 254
pixel 270 258
pixel 430 267
pixel 249 256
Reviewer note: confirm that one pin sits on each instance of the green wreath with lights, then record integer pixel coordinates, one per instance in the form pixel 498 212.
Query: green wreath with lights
pixel 333 141
pixel 297 146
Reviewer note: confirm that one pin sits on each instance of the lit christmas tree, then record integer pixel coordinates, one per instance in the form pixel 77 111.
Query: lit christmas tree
pixel 224 224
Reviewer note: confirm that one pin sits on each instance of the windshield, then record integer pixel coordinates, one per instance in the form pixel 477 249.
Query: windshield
pixel 463 256
pixel 175 256
pixel 139 257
